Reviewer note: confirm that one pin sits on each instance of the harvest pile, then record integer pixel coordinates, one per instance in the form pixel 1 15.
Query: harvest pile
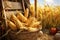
pixel 47 16
pixel 26 21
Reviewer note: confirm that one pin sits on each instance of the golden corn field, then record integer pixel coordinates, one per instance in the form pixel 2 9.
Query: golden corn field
pixel 49 15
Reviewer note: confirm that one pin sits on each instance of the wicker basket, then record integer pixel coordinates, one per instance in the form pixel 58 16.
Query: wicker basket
pixel 25 35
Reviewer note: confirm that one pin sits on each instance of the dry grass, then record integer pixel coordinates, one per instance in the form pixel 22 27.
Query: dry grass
pixel 50 16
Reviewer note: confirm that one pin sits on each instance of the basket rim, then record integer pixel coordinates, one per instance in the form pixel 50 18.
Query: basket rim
pixel 24 32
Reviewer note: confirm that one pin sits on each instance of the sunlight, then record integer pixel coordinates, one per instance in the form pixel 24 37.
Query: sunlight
pixel 49 1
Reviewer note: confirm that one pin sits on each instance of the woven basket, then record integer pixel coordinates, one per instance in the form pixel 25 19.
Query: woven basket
pixel 25 35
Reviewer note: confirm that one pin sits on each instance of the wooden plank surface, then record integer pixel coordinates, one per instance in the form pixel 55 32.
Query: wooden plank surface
pixel 12 5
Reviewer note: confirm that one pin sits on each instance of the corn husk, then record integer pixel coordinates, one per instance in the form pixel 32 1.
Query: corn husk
pixel 35 24
pixel 31 29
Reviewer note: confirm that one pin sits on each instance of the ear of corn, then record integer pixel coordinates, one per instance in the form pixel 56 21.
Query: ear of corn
pixel 26 13
pixel 21 17
pixel 16 21
pixel 11 25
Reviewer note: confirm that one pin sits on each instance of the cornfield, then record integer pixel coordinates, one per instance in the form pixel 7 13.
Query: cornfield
pixel 50 16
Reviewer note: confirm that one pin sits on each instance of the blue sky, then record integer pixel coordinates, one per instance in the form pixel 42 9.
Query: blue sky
pixel 57 2
pixel 41 2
